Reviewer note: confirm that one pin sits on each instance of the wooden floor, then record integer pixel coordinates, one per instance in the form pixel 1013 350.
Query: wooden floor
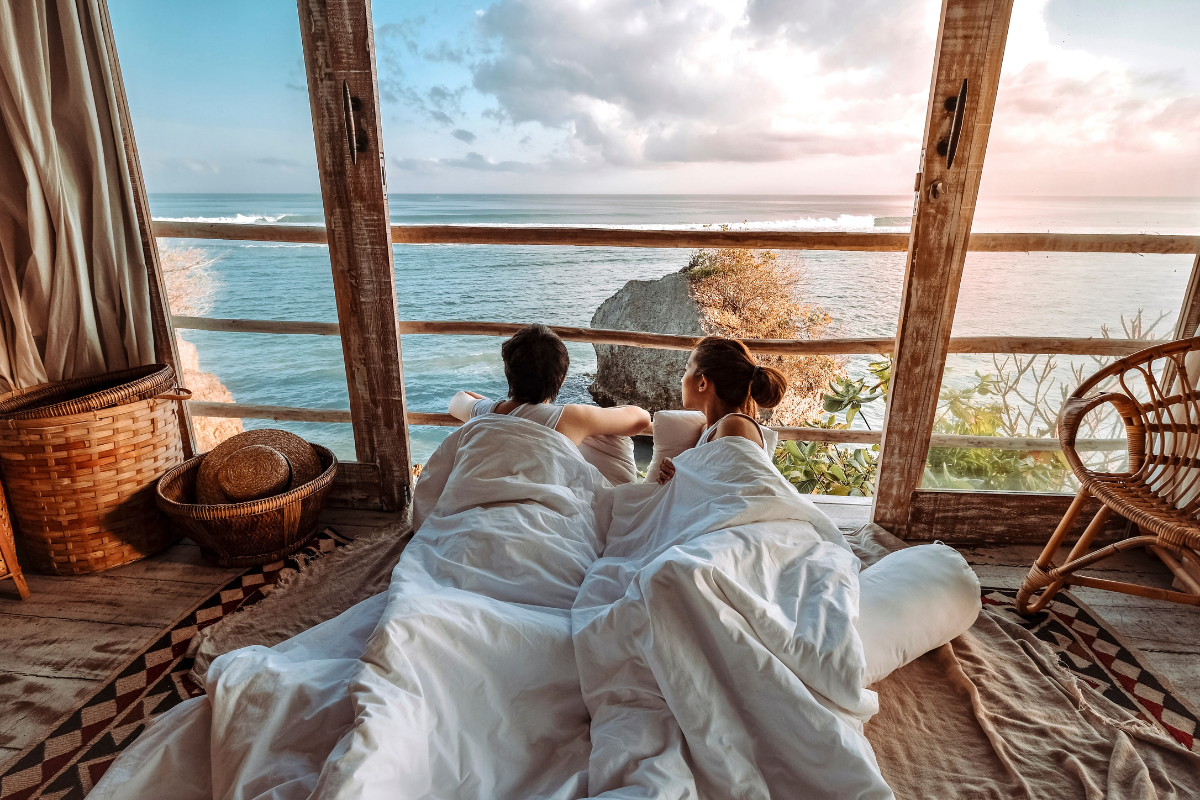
pixel 61 645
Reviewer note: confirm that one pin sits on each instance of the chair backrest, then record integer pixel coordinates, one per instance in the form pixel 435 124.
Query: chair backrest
pixel 1157 393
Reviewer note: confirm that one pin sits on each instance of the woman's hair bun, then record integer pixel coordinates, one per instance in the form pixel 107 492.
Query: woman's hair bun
pixel 767 387
pixel 735 375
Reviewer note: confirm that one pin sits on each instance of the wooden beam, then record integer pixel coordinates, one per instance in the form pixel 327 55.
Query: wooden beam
pixel 959 517
pixel 834 435
pixel 970 50
pixel 1189 311
pixel 757 240
pixel 257 326
pixel 165 349
pixel 662 341
pixel 339 59
pixel 356 485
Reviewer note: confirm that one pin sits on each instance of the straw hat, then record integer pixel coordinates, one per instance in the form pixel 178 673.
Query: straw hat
pixel 255 464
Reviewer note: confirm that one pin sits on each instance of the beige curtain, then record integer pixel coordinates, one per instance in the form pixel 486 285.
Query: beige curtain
pixel 74 299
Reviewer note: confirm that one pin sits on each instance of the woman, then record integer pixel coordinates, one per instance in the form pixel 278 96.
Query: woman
pixel 723 381
pixel 535 364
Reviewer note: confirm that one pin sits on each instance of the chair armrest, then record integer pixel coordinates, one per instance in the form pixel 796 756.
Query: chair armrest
pixel 1072 414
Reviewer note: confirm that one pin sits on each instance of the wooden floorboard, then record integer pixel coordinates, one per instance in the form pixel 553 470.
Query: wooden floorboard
pixel 67 648
pixel 102 598
pixel 33 705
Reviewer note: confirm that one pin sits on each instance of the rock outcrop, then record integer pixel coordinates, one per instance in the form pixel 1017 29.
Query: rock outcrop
pixel 751 298
pixel 210 431
pixel 645 376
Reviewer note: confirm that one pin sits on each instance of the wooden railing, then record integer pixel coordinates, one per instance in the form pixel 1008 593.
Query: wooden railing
pixel 1099 346
pixel 968 344
pixel 625 237
pixel 632 237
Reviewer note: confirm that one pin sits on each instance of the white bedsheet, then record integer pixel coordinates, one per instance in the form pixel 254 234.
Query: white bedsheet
pixel 710 653
pixel 716 641
pixel 465 686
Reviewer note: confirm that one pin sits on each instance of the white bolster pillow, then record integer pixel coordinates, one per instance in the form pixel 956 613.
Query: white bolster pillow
pixel 912 601
pixel 674 433
pixel 612 455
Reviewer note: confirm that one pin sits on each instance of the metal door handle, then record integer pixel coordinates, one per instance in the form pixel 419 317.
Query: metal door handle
pixel 948 147
pixel 351 133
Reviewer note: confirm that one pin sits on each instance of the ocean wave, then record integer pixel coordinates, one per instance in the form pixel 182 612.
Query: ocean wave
pixel 237 219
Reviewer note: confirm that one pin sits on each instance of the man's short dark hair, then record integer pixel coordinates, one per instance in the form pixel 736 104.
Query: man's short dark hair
pixel 535 363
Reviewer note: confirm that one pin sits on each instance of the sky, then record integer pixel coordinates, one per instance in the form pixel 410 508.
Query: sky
pixel 1097 97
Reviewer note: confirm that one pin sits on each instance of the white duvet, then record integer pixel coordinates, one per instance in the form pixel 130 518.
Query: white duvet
pixel 710 653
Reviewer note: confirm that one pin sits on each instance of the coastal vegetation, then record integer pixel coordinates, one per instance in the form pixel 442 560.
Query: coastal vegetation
pixel 1021 398
pixel 752 294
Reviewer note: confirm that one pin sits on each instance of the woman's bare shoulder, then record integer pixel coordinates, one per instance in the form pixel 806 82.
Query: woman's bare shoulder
pixel 739 425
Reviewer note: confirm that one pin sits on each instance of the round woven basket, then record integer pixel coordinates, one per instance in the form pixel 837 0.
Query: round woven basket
pixel 80 395
pixel 251 533
pixel 81 486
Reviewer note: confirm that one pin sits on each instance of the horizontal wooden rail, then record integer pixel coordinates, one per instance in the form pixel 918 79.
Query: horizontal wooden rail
pixel 837 436
pixel 1028 345
pixel 255 325
pixel 626 237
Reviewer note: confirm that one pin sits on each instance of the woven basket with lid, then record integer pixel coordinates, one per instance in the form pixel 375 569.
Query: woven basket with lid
pixel 81 484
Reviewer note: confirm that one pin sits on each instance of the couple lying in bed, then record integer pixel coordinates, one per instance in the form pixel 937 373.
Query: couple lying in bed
pixel 721 381
pixel 548 635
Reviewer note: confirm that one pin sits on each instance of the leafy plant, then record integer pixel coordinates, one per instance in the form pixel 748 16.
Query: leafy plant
pixel 824 467
pixel 1020 399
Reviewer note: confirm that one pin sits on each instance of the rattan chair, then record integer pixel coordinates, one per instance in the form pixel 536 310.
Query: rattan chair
pixel 1159 403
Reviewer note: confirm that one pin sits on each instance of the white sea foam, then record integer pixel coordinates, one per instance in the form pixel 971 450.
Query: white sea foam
pixel 239 219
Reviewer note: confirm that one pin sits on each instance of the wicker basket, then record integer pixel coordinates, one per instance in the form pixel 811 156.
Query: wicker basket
pixel 251 533
pixel 81 486
pixel 80 395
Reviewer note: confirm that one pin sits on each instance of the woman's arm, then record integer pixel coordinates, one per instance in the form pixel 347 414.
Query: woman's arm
pixel 462 403
pixel 579 422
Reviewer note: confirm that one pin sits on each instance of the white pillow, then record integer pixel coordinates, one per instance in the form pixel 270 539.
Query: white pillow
pixel 912 601
pixel 674 432
pixel 612 455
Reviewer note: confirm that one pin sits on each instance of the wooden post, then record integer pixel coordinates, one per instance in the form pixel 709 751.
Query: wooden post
pixel 966 73
pixel 1189 312
pixel 339 58
pixel 165 349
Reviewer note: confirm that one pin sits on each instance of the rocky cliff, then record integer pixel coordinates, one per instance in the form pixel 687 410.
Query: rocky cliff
pixel 210 431
pixel 725 293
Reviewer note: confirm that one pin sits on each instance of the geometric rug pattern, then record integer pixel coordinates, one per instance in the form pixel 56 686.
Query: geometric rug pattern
pixel 78 752
pixel 1094 655
pixel 73 757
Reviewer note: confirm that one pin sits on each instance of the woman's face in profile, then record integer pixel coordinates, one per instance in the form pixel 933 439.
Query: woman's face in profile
pixel 693 386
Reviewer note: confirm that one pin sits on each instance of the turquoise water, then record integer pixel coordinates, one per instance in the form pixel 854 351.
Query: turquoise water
pixel 1037 294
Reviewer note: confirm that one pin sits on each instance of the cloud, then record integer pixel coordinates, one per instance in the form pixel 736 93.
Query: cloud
pixel 635 84
pixel 473 161
pixel 579 85
pixel 196 166
pixel 399 44
pixel 284 164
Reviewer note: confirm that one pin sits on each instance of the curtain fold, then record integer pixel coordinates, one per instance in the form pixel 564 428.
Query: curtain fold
pixel 74 295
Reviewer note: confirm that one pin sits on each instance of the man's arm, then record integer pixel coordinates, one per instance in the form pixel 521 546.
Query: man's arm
pixel 462 403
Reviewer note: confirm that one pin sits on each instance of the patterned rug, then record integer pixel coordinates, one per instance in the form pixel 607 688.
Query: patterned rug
pixel 1090 650
pixel 70 761
pixel 73 757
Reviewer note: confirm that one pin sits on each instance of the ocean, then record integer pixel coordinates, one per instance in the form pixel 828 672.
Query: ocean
pixel 1026 294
